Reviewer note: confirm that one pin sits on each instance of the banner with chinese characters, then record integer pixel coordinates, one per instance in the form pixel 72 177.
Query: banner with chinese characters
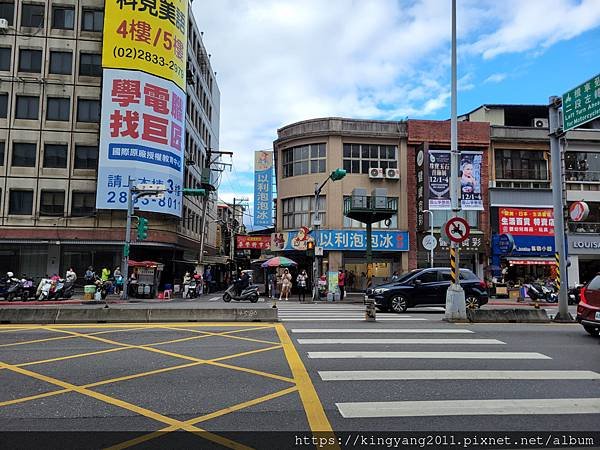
pixel 147 35
pixel 471 244
pixel 263 188
pixel 526 222
pixel 259 242
pixel 471 197
pixel 348 240
pixel 141 136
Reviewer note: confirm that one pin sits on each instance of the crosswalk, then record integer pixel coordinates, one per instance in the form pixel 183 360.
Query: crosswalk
pixel 392 357
pixel 312 312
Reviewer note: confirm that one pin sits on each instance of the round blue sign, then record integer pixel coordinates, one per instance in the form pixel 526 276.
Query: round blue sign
pixel 506 243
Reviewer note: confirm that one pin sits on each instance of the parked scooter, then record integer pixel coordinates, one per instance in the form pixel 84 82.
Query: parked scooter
pixel 62 290
pixel 574 294
pixel 537 292
pixel 102 288
pixel 45 289
pixel 12 289
pixel 248 293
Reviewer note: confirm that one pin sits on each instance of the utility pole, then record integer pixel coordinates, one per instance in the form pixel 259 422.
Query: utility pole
pixel 455 296
pixel 234 227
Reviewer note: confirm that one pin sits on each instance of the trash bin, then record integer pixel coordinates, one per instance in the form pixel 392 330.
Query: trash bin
pixel 88 291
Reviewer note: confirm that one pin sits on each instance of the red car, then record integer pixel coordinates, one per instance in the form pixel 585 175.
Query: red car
pixel 588 310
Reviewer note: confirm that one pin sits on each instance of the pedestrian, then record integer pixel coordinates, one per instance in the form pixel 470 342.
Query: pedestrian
pixel 286 285
pixel 363 281
pixel 70 276
pixel 118 276
pixel 208 279
pixel 105 274
pixel 302 280
pixel 273 284
pixel 351 280
pixel 322 286
pixel 187 278
pixel 341 283
pixel 90 275
pixel 395 276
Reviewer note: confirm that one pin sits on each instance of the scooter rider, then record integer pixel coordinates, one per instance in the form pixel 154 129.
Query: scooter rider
pixel 242 283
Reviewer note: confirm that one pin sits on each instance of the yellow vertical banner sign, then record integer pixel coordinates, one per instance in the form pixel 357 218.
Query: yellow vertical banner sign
pixel 147 35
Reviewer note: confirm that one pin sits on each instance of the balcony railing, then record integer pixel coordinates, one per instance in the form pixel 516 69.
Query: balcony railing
pixel 370 208
pixel 584 227
pixel 582 176
pixel 522 174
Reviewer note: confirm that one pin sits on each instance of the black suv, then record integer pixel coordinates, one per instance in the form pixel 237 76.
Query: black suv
pixel 426 287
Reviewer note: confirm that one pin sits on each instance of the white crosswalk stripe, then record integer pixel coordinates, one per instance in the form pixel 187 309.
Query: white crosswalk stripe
pixel 298 312
pixel 386 344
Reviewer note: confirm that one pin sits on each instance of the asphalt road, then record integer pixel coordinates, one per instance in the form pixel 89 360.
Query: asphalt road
pixel 236 385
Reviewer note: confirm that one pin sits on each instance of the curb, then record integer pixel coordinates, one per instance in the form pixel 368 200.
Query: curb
pixel 508 315
pixel 141 315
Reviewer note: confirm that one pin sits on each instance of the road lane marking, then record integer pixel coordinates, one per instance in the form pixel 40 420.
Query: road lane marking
pixel 470 407
pixel 57 338
pixel 214 299
pixel 380 330
pixel 227 335
pixel 402 341
pixel 372 375
pixel 349 319
pixel 313 408
pixel 427 355
pixel 203 418
pixel 125 405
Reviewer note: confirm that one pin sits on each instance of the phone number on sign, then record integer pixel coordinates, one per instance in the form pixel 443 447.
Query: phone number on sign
pixel 121 197
pixel 136 53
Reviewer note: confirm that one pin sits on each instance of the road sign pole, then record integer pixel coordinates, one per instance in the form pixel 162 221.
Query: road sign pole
pixel 455 296
pixel 559 220
pixel 126 247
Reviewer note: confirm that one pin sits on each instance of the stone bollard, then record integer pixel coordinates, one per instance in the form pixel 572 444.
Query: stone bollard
pixel 370 310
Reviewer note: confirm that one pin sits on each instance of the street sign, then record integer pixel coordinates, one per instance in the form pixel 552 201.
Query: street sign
pixel 579 211
pixel 581 104
pixel 318 251
pixel 457 229
pixel 429 242
pixel 506 243
pixel 151 190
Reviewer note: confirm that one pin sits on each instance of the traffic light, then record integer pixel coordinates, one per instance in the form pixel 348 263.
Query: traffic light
pixel 337 174
pixel 194 192
pixel 142 228
pixel 310 248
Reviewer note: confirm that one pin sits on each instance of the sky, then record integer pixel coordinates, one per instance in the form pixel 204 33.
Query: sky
pixel 283 61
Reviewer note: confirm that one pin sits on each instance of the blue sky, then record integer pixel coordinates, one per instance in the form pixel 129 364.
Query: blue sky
pixel 281 61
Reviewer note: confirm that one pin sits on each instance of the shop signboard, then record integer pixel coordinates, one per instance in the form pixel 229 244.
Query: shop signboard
pixel 420 161
pixel 150 36
pixel 526 222
pixel 255 242
pixel 342 240
pixel 471 196
pixel 584 245
pixel 142 136
pixel 506 243
pixel 263 188
pixel 473 243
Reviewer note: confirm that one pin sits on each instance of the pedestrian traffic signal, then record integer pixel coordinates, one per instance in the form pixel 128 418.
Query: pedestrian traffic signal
pixel 310 248
pixel 337 174
pixel 194 192
pixel 142 228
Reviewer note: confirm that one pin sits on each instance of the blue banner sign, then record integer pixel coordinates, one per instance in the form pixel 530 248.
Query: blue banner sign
pixel 263 188
pixel 348 240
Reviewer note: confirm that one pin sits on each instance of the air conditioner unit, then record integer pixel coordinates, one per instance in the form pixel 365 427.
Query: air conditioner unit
pixel 375 172
pixel 540 123
pixel 3 24
pixel 392 174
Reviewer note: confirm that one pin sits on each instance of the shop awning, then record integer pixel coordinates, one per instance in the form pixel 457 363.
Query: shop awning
pixel 531 261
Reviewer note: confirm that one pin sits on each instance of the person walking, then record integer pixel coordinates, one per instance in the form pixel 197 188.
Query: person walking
pixel 105 274
pixel 341 283
pixel 286 285
pixel 351 280
pixel 302 280
pixel 187 279
pixel 208 278
pixel 118 276
pixel 395 276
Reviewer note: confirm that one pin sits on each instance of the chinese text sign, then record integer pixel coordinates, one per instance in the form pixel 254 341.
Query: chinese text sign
pixel 526 222
pixel 263 188
pixel 142 136
pixel 582 104
pixel 147 35
pixel 349 240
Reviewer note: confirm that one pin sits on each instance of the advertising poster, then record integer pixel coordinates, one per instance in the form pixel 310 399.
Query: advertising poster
pixel 146 35
pixel 349 240
pixel 142 136
pixel 263 188
pixel 439 179
pixel 470 181
pixel 526 222
pixel 255 242
pixel 332 283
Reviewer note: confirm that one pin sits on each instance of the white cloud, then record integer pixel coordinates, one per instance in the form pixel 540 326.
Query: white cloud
pixel 281 61
pixel 495 78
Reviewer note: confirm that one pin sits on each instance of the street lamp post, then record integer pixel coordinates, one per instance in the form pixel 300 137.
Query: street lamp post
pixel 431 233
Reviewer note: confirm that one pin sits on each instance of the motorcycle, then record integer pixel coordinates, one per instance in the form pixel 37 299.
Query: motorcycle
pixel 102 288
pixel 248 293
pixel 12 289
pixel 45 289
pixel 537 291
pixel 23 289
pixel 63 289
pixel 574 294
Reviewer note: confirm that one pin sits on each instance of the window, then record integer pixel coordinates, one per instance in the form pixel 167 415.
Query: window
pixel 5 58
pixel 32 16
pixel 304 160
pixel 20 202
pixel 351 223
pixel 61 63
pixel 63 17
pixel 92 20
pixel 84 203
pixel 7 11
pixel 86 157
pixel 52 203
pixel 427 277
pixel 28 107
pixel 440 217
pixel 3 104
pixel 2 145
pixel 359 158
pixel 88 110
pixel 55 156
pixel 298 212
pixel 30 61
pixel 24 154
pixel 582 166
pixel 58 109
pixel 90 64
pixel 521 165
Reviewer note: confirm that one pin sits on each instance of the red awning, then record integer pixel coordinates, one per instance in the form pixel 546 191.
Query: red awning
pixel 531 261
pixel 133 263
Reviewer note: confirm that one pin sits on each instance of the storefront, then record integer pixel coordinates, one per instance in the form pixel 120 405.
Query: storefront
pixel 584 256
pixel 471 253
